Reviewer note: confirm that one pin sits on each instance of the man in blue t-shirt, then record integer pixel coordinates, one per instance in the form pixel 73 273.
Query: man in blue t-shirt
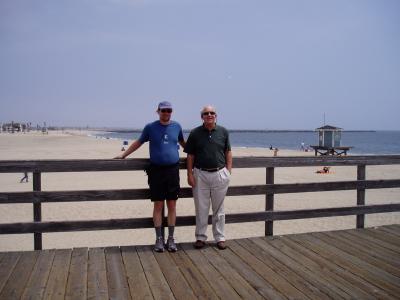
pixel 163 173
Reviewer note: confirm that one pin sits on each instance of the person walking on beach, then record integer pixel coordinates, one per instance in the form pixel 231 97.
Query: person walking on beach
pixel 209 167
pixel 163 172
pixel 25 178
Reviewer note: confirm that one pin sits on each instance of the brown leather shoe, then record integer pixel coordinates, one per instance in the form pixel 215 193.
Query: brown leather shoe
pixel 221 245
pixel 199 244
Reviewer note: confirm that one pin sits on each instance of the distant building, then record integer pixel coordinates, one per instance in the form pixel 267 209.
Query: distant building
pixel 329 136
pixel 14 127
pixel 329 141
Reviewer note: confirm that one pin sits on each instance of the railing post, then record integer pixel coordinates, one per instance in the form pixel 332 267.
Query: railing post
pixel 37 210
pixel 269 201
pixel 163 220
pixel 360 195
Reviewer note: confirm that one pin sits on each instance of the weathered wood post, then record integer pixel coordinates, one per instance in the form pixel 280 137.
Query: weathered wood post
pixel 269 200
pixel 37 210
pixel 360 195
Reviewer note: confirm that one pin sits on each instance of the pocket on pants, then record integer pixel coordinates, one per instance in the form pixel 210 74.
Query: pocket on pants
pixel 225 175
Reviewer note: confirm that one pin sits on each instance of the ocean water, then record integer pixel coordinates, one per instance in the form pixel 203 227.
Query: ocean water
pixel 363 142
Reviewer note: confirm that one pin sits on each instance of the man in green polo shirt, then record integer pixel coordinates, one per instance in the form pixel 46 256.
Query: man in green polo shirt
pixel 209 166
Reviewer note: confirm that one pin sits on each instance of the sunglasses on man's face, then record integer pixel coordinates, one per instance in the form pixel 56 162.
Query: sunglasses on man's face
pixel 166 110
pixel 206 113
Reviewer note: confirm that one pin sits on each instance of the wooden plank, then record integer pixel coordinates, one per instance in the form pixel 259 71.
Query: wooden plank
pixel 57 282
pixel 193 276
pixel 287 188
pixel 385 236
pixel 342 267
pixel 72 165
pixel 269 199
pixel 277 287
pixel 374 275
pixel 381 238
pixel 324 285
pixel 351 249
pixel 293 278
pixel 318 269
pixel 360 195
pixel 310 213
pixel 74 196
pixel 390 229
pixel 373 265
pixel 116 277
pixel 15 285
pixel 97 274
pixel 157 282
pixel 144 193
pixel 138 285
pixel 7 264
pixel 66 226
pixel 379 243
pixel 359 287
pixel 80 165
pixel 36 285
pixel 77 278
pixel 366 248
pixel 220 286
pixel 37 210
pixel 250 268
pixel 302 161
pixel 329 255
pixel 241 286
pixel 176 281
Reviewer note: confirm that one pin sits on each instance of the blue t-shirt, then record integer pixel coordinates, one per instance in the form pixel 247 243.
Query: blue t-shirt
pixel 163 142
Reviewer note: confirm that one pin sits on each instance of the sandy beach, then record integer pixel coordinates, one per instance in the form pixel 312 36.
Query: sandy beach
pixel 78 145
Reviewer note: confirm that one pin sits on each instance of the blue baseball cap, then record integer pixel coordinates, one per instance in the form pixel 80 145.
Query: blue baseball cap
pixel 164 104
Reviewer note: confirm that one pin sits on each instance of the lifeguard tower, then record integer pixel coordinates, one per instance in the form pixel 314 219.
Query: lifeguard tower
pixel 329 138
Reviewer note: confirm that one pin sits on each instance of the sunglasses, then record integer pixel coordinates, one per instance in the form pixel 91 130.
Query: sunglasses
pixel 166 110
pixel 206 113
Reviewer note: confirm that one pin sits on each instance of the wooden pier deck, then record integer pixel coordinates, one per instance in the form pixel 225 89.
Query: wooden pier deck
pixel 349 264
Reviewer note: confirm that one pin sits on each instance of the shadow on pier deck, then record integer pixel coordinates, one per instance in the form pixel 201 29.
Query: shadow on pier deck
pixel 357 264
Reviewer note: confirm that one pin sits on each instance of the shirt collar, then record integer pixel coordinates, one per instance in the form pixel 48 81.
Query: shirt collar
pixel 206 129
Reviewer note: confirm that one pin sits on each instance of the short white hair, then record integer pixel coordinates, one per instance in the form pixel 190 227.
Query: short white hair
pixel 208 106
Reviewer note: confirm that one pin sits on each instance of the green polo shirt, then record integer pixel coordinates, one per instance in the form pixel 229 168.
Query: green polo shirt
pixel 208 147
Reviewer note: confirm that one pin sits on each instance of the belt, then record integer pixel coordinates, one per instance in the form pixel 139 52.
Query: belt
pixel 154 166
pixel 211 170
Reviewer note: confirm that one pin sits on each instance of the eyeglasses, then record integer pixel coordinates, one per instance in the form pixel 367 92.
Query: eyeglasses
pixel 206 113
pixel 166 110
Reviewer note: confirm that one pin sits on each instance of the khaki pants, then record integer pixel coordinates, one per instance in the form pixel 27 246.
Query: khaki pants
pixel 210 187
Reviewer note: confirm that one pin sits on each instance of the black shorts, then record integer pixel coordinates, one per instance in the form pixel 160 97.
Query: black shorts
pixel 163 182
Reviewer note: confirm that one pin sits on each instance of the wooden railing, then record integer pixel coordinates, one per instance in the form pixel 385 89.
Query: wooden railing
pixel 269 189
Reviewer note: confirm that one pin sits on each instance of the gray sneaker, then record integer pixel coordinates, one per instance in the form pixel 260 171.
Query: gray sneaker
pixel 171 246
pixel 159 245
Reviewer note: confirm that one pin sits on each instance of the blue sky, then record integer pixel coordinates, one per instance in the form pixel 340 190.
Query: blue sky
pixel 263 64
